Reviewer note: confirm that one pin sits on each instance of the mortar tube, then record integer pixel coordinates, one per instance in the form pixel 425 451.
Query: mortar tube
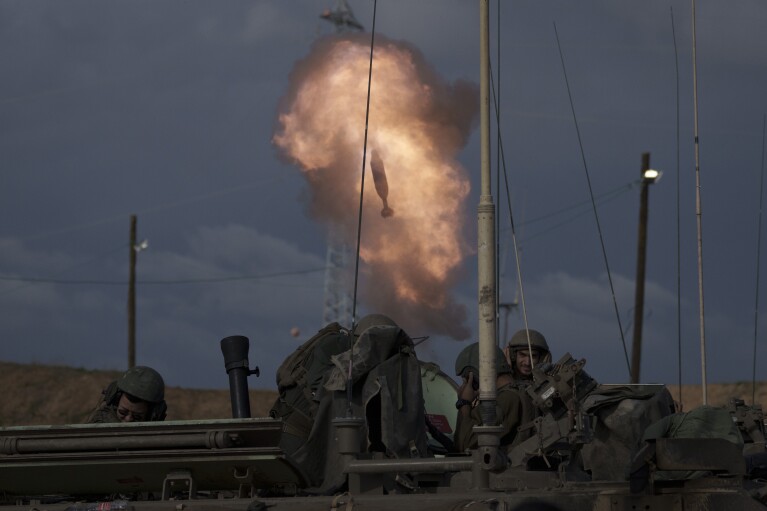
pixel 235 350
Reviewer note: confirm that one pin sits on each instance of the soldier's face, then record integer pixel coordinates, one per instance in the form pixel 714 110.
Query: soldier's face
pixel 523 363
pixel 128 411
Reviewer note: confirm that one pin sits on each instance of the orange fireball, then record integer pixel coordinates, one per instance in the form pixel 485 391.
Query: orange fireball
pixel 417 125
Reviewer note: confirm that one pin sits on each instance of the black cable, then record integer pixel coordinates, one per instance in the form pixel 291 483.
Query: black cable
pixel 359 214
pixel 615 192
pixel 30 281
pixel 594 207
pixel 40 280
pixel 511 217
pixel 497 101
pixel 571 218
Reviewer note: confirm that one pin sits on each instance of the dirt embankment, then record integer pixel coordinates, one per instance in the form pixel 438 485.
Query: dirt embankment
pixel 40 394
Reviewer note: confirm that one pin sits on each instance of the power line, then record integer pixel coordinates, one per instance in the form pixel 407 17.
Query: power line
pixel 89 261
pixel 602 199
pixel 605 197
pixel 35 280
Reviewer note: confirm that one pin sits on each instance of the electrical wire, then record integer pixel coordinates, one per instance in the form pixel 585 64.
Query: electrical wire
pixel 43 280
pixel 513 231
pixel 594 207
pixel 25 282
pixel 359 215
pixel 569 219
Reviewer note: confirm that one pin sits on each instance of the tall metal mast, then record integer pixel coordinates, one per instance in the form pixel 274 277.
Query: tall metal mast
pixel 488 435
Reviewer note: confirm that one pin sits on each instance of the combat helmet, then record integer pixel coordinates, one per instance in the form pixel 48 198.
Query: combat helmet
pixel 144 383
pixel 372 320
pixel 538 342
pixel 468 360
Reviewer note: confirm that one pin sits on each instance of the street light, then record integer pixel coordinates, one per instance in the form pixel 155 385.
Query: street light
pixel 135 248
pixel 649 176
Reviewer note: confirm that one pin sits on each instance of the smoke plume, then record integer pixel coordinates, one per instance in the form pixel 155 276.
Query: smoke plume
pixel 413 247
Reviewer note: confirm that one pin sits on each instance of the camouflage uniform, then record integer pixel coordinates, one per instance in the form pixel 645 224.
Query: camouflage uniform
pixel 104 413
pixel 514 407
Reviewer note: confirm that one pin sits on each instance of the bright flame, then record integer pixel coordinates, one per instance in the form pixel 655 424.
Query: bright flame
pixel 417 125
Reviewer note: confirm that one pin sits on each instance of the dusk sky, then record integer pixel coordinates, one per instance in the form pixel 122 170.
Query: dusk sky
pixel 173 111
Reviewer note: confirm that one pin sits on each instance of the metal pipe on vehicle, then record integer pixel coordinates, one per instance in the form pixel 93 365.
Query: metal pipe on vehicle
pixel 423 465
pixel 122 442
pixel 235 350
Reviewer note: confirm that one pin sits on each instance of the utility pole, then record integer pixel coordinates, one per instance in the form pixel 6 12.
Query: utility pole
pixel 649 176
pixel 132 296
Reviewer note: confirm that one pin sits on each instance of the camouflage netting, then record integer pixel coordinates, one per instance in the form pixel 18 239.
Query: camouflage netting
pixel 623 413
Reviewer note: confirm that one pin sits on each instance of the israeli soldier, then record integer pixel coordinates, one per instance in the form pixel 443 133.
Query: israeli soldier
pixel 514 406
pixel 137 396
pixel 522 357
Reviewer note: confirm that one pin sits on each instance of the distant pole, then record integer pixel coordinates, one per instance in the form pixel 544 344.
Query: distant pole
pixel 132 296
pixel 636 348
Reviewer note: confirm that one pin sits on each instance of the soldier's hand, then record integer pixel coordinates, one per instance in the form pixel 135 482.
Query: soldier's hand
pixel 466 391
pixel 507 355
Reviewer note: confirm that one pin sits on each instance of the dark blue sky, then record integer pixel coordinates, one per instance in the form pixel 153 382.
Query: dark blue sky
pixel 167 110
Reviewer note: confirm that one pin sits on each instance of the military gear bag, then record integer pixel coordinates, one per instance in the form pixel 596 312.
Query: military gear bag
pixel 299 377
pixel 294 369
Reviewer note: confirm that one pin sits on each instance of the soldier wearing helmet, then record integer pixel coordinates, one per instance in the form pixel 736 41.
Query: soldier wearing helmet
pixel 137 396
pixel 514 406
pixel 522 356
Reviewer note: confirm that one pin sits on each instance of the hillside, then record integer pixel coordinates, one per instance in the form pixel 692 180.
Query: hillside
pixel 41 394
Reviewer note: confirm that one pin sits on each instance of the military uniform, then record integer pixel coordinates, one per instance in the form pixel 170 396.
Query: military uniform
pixel 104 413
pixel 513 406
pixel 512 412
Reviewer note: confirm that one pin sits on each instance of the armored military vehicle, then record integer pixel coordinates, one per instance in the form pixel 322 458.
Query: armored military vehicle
pixel 579 457
pixel 370 447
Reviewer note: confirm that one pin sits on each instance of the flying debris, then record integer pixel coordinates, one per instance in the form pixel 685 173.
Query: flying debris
pixel 342 17
pixel 382 184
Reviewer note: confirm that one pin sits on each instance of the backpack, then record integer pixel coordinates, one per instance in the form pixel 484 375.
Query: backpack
pixel 296 385
pixel 293 370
